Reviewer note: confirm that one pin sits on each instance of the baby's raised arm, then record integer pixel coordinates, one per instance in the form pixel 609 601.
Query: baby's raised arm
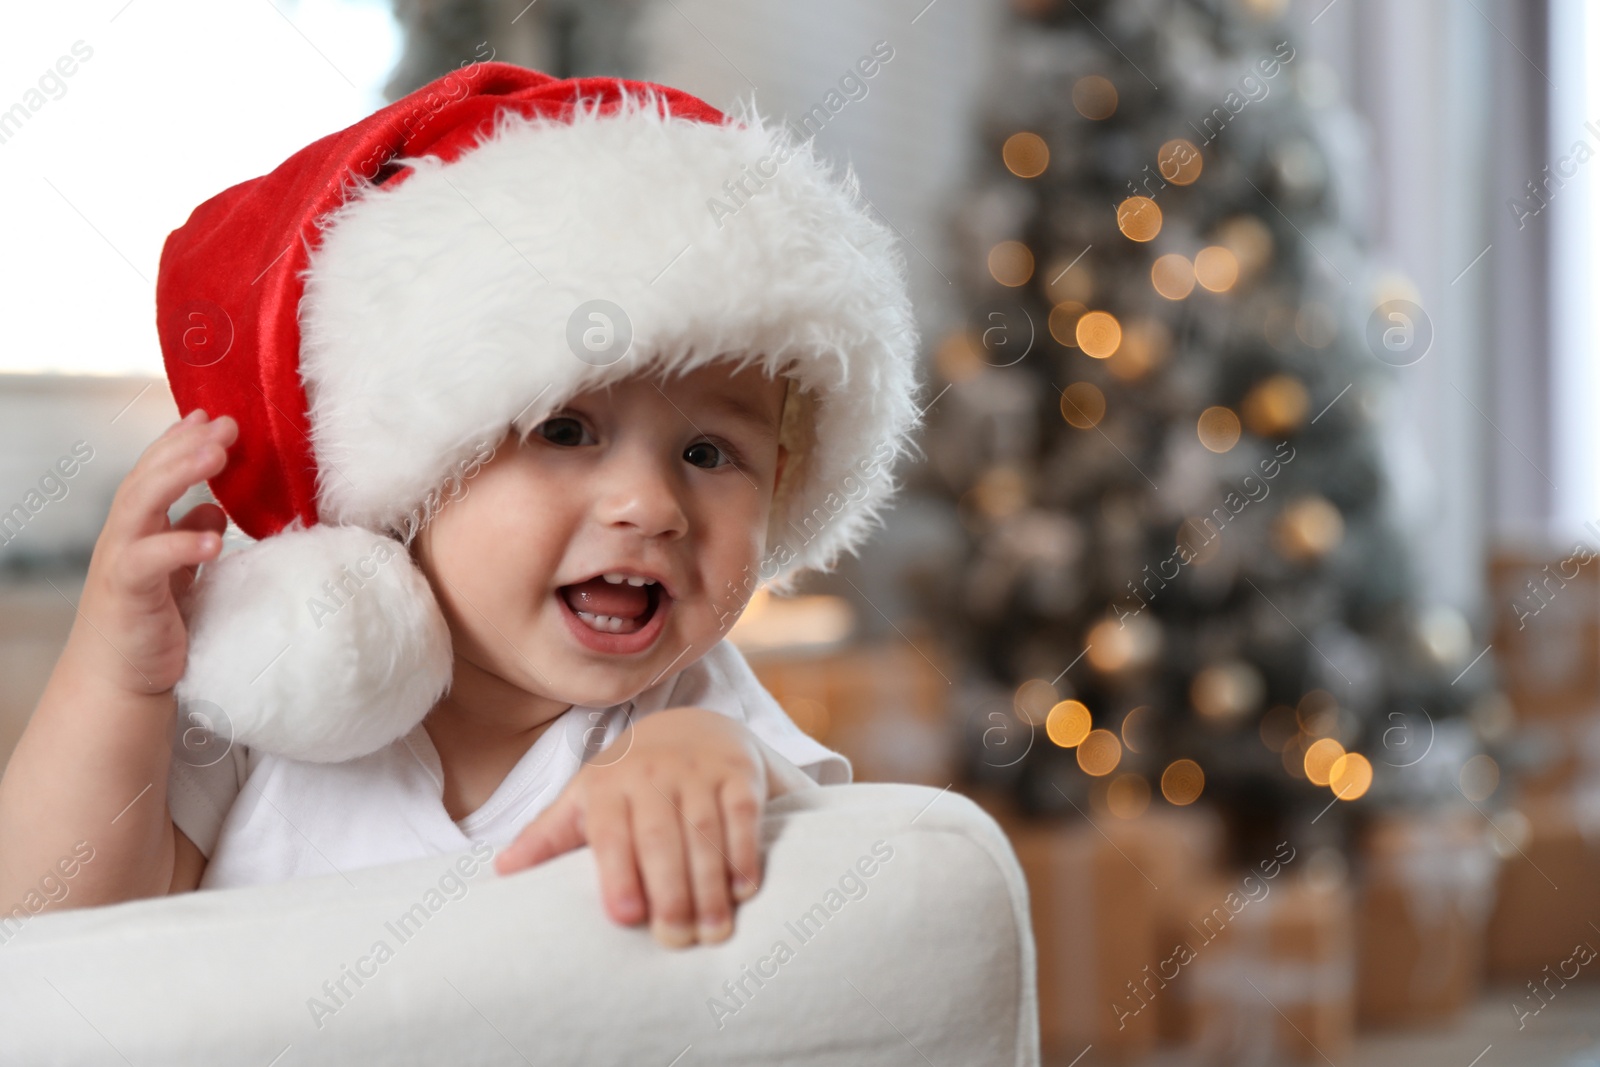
pixel 87 784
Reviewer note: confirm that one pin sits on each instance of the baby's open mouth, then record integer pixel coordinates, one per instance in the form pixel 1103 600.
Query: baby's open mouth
pixel 613 603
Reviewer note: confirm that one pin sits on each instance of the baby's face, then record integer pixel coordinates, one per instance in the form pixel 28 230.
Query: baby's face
pixel 666 483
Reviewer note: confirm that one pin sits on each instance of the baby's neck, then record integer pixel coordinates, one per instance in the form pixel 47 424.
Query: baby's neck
pixel 475 754
pixel 480 730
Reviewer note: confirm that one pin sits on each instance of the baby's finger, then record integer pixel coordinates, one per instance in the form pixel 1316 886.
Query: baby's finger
pixel 166 471
pixel 611 840
pixel 741 819
pixel 658 842
pixel 146 566
pixel 201 518
pixel 552 832
pixel 708 864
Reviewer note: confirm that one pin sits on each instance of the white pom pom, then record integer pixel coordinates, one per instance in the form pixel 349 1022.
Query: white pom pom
pixel 320 644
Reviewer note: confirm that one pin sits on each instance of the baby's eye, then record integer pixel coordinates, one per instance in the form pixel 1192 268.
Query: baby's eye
pixel 564 430
pixel 705 454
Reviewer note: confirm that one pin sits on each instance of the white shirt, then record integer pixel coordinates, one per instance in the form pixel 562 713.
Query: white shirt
pixel 262 818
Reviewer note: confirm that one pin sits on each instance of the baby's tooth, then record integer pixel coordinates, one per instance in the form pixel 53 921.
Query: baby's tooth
pixel 615 579
pixel 638 581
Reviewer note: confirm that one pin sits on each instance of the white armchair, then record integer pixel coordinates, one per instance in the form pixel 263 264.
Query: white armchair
pixel 892 927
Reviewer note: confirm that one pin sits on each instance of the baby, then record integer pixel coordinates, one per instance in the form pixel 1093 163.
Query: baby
pixel 536 661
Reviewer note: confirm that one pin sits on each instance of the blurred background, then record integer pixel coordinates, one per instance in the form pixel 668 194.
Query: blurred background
pixel 1249 576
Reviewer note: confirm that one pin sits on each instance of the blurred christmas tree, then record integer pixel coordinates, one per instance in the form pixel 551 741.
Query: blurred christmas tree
pixel 1161 434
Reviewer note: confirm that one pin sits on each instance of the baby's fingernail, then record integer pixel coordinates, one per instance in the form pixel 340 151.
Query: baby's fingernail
pixel 743 889
pixel 672 935
pixel 710 932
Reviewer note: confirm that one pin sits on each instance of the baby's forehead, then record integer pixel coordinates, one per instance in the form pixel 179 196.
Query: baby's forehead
pixel 747 389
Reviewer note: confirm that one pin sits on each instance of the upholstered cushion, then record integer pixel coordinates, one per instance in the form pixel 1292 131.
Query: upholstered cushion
pixel 891 928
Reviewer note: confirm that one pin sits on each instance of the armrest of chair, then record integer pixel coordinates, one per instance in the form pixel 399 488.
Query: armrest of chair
pixel 892 927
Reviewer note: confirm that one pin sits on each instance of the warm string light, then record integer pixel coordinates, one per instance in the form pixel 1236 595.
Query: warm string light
pixel 1320 758
pixel 1064 322
pixel 1173 276
pixel 1215 268
pixel 1098 333
pixel 1069 723
pixel 1011 263
pixel 1218 428
pixel 1180 162
pixel 1025 154
pixel 1115 645
pixel 1099 753
pixel 1138 728
pixel 1094 97
pixel 1308 529
pixel 1083 405
pixel 1033 701
pixel 1276 406
pixel 1226 693
pixel 1350 776
pixel 1139 218
pixel 1182 782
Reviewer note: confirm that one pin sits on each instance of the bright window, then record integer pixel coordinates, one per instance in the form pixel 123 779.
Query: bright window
pixel 118 118
pixel 1573 218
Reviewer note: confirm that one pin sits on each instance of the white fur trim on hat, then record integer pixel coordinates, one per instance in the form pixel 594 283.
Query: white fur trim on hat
pixel 437 308
pixel 319 644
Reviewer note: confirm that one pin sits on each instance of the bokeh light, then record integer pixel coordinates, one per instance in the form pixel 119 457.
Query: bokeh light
pixel 1034 699
pixel 1173 276
pixel 1069 723
pixel 1182 782
pixel 1320 758
pixel 1215 268
pixel 1099 753
pixel 1116 645
pixel 1350 776
pixel 1083 405
pixel 1025 154
pixel 1011 263
pixel 1064 322
pixel 1276 406
pixel 1094 97
pixel 1139 218
pixel 1179 161
pixel 1250 241
pixel 1138 729
pixel 1218 428
pixel 1099 333
pixel 1308 529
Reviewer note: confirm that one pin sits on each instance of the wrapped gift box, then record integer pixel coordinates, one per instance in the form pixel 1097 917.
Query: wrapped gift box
pixel 1269 973
pixel 1547 630
pixel 1548 886
pixel 1101 892
pixel 1427 887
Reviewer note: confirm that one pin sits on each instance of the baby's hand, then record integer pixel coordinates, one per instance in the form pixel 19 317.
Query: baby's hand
pixel 142 563
pixel 680 804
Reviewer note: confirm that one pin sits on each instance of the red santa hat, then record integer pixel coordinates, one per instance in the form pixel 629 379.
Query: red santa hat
pixel 383 307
